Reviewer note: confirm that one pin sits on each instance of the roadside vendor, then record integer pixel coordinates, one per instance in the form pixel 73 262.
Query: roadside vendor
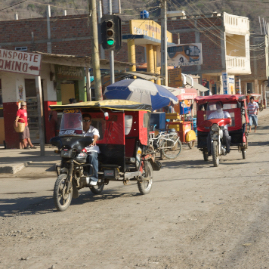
pixel 92 149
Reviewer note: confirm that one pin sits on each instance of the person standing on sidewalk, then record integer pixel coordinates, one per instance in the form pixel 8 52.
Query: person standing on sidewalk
pixel 22 113
pixel 253 109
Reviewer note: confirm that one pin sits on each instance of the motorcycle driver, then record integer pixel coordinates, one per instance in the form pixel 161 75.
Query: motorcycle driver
pixel 92 149
pixel 219 114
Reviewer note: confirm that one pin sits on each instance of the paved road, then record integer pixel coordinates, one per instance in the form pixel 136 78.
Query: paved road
pixel 196 216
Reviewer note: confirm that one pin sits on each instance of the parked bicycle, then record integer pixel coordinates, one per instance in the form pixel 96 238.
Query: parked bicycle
pixel 167 144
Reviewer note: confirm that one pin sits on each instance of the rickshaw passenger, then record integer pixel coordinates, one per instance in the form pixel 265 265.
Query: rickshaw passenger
pixel 92 149
pixel 219 114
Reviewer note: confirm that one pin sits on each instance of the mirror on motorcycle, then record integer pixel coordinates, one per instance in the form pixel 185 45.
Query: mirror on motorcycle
pixel 106 116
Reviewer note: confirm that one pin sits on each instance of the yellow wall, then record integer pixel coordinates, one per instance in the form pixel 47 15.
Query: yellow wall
pixel 67 91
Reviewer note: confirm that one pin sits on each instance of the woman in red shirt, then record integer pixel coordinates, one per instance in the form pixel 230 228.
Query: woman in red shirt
pixel 22 113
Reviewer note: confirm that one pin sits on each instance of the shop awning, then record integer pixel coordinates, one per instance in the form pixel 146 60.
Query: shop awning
pixel 79 61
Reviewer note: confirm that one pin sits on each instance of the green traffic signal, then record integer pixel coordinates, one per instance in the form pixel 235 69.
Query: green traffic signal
pixel 110 42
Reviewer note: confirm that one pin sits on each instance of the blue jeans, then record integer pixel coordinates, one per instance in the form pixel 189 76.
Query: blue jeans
pixel 92 158
pixel 253 119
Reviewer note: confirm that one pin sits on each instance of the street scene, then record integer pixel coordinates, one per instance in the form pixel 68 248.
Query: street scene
pixel 134 134
pixel 196 215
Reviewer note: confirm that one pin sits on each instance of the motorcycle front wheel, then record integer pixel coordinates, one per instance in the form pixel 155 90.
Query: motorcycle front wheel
pixel 146 184
pixel 62 198
pixel 215 154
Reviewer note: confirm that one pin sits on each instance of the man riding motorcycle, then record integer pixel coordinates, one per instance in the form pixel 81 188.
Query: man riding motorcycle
pixel 219 114
pixel 92 149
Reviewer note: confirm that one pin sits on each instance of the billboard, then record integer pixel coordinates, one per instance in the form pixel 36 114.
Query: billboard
pixel 149 28
pixel 185 54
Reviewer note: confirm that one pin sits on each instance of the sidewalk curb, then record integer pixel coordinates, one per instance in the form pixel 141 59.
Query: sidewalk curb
pixel 13 169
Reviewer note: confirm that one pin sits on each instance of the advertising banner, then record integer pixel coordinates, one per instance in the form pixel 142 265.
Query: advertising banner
pixel 237 85
pixel 185 54
pixel 225 83
pixel 20 62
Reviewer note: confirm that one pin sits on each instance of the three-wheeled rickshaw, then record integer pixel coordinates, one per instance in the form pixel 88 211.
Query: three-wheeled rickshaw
pixel 257 99
pixel 182 121
pixel 125 152
pixel 211 128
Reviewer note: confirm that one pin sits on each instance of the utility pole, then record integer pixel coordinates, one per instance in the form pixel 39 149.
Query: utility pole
pixel 95 51
pixel 111 52
pixel 40 114
pixel 164 43
pixel 48 28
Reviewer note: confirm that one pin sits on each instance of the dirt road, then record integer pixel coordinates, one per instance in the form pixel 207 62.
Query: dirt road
pixel 196 216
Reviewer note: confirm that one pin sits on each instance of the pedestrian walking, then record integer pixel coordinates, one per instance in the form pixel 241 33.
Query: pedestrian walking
pixel 25 135
pixel 253 109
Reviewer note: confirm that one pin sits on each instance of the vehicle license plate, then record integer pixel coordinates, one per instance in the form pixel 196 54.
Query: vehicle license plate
pixel 109 173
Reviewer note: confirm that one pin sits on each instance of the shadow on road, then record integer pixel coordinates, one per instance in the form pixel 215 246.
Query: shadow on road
pixel 264 143
pixel 45 204
pixel 184 164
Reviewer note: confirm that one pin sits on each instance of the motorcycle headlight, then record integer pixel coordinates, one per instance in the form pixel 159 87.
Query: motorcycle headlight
pixel 215 128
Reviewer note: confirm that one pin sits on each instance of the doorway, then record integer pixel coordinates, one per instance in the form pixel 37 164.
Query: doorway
pixel 32 110
pixel 67 92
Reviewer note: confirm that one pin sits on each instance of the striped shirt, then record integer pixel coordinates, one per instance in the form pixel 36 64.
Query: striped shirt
pixel 252 108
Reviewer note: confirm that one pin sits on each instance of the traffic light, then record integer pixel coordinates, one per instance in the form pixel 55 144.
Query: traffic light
pixel 111 32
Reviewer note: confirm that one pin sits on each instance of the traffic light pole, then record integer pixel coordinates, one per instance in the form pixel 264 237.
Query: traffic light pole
pixel 95 51
pixel 111 52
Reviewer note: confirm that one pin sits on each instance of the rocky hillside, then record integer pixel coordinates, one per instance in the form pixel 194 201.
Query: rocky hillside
pixel 131 9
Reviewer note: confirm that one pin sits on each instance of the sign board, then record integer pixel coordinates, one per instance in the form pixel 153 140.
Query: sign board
pixel 20 62
pixel 149 28
pixel 231 85
pixel 174 77
pixel 69 72
pixel 185 54
pixel 237 85
pixel 225 83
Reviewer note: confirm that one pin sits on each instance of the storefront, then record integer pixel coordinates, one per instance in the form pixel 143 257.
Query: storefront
pixel 62 78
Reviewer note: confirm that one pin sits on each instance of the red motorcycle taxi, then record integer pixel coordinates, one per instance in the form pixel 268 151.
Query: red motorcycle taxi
pixel 221 124
pixel 126 154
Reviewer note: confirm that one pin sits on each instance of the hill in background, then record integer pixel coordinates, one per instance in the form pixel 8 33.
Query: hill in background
pixel 131 9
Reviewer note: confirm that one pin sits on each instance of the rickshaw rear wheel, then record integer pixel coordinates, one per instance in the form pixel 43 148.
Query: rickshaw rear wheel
pixel 215 156
pixel 61 198
pixel 244 153
pixel 205 154
pixel 98 188
pixel 145 185
pixel 191 144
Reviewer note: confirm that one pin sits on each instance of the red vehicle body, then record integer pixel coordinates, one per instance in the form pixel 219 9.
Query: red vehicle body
pixel 236 106
pixel 125 153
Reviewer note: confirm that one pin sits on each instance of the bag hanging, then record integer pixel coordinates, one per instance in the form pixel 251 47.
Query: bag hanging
pixel 21 126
